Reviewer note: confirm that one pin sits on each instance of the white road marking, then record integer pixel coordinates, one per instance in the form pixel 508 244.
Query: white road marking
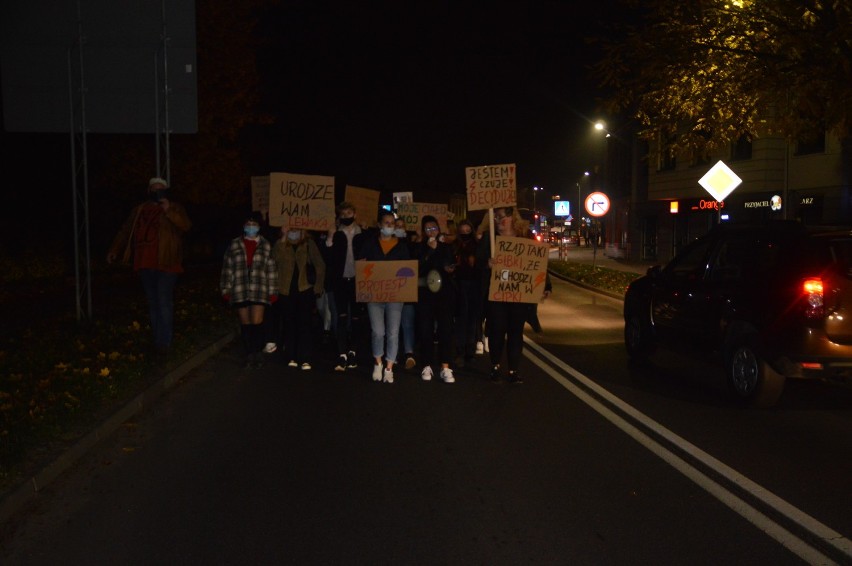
pixel 767 525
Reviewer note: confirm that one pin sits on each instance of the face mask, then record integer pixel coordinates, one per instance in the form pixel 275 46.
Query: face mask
pixel 251 231
pixel 294 235
pixel 399 233
pixel 159 195
pixel 387 231
pixel 465 237
pixel 347 221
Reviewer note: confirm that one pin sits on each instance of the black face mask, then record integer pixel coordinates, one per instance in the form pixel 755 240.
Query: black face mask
pixel 465 237
pixel 159 195
pixel 347 221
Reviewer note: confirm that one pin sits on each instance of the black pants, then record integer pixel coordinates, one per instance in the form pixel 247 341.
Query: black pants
pixel 296 316
pixel 435 308
pixel 350 315
pixel 506 330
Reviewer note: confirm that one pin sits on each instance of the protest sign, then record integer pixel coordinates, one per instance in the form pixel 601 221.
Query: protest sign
pixel 366 202
pixel 386 281
pixel 413 212
pixel 491 186
pixel 301 201
pixel 260 194
pixel 518 270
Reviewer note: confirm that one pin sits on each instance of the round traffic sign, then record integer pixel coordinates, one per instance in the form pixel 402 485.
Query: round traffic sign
pixel 597 204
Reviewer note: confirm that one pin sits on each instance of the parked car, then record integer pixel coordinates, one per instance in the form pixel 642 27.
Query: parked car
pixel 768 302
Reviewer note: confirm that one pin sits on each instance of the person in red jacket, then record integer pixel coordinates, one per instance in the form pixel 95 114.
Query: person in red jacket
pixel 152 239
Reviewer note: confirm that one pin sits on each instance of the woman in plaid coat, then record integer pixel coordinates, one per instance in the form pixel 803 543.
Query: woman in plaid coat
pixel 249 283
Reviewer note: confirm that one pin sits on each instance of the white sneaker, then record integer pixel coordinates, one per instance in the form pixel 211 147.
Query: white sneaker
pixel 485 343
pixel 426 374
pixel 270 347
pixel 306 366
pixel 387 375
pixel 292 364
pixel 377 372
pixel 447 375
pixel 480 348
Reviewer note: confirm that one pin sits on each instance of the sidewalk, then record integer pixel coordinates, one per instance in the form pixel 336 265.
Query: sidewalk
pixel 586 255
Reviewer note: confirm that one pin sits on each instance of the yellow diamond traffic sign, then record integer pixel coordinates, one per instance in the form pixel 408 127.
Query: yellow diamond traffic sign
pixel 720 181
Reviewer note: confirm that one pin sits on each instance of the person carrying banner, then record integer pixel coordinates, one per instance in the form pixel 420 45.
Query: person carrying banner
pixel 301 276
pixel 505 320
pixel 384 316
pixel 248 282
pixel 343 243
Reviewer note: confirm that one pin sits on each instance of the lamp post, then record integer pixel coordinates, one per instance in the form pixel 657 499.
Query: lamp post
pixel 535 190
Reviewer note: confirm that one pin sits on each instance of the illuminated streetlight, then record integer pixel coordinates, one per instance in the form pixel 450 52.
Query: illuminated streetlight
pixel 535 190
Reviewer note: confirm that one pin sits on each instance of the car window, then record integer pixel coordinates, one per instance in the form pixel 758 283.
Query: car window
pixel 841 256
pixel 745 258
pixel 691 263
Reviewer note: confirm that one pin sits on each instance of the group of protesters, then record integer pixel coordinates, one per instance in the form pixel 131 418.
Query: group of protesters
pixel 276 289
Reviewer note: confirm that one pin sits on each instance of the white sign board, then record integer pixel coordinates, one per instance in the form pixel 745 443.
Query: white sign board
pixel 720 181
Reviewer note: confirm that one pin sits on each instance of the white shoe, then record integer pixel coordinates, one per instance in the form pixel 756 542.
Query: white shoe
pixel 377 372
pixel 292 364
pixel 485 343
pixel 306 366
pixel 270 347
pixel 480 348
pixel 387 375
pixel 447 375
pixel 426 374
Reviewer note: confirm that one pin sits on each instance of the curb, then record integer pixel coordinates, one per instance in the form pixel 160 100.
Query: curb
pixel 610 294
pixel 29 489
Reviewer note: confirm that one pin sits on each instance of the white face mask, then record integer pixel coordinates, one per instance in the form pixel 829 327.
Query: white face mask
pixel 294 235
pixel 387 230
pixel 399 233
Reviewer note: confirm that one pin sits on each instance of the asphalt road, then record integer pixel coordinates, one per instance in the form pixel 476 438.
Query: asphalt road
pixel 588 462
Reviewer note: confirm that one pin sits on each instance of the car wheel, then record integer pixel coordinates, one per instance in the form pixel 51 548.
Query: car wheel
pixel 751 379
pixel 637 338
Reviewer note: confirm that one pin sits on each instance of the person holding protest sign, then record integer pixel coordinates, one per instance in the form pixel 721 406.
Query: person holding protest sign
pixel 301 273
pixel 152 238
pixel 436 300
pixel 248 282
pixel 343 243
pixel 384 316
pixel 506 319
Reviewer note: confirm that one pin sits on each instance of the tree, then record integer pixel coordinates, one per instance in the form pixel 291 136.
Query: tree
pixel 701 74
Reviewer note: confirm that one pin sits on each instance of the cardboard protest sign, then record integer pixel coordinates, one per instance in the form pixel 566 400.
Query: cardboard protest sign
pixel 412 212
pixel 366 202
pixel 386 281
pixel 491 186
pixel 301 201
pixel 260 194
pixel 518 270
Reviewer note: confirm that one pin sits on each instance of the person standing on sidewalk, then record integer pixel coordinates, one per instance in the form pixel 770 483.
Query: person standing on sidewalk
pixel 384 317
pixel 152 239
pixel 301 273
pixel 343 243
pixel 248 283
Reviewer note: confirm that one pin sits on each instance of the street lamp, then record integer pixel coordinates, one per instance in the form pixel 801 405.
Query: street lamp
pixel 535 190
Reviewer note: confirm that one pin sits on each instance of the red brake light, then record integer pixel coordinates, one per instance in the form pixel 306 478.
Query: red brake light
pixel 813 291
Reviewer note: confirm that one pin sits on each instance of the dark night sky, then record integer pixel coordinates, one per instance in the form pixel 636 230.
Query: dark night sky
pixel 406 95
pixel 399 96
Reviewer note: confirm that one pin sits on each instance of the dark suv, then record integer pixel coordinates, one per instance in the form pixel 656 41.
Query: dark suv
pixel 769 302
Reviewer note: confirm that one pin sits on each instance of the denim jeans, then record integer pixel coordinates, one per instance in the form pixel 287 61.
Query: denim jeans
pixel 384 324
pixel 160 291
pixel 407 326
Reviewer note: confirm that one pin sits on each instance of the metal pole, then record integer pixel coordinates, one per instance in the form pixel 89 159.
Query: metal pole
pixel 156 115
pixel 71 130
pixel 166 95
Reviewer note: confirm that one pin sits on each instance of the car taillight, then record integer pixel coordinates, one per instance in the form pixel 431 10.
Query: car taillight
pixel 812 289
